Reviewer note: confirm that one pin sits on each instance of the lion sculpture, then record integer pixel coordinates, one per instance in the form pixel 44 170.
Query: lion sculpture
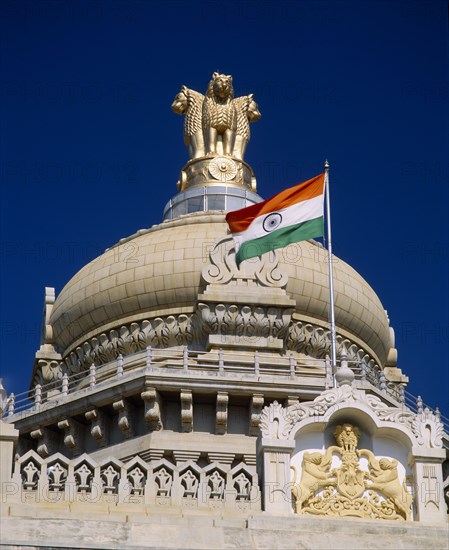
pixel 190 103
pixel 216 123
pixel 247 111
pixel 347 437
pixel 219 114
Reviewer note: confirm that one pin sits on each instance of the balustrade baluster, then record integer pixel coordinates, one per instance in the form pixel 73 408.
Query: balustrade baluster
pixel 292 363
pixel 185 358
pixel 92 375
pixel 120 365
pixel 383 382
pixel 38 395
pixel 65 384
pixel 363 371
pixel 419 404
pixel 220 361
pixel 149 357
pixel 11 404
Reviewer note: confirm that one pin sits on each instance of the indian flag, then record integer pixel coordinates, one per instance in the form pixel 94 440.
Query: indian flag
pixel 295 214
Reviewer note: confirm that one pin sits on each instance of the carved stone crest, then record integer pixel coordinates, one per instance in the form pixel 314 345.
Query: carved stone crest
pixel 350 490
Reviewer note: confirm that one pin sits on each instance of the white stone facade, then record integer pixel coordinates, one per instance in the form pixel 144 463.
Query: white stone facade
pixel 172 395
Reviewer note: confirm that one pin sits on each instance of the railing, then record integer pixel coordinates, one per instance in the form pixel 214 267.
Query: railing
pixel 255 365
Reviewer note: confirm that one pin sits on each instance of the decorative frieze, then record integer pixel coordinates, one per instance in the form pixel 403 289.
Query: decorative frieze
pixel 161 332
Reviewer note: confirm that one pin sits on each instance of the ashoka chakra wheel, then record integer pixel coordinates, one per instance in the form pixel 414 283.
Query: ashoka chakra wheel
pixel 223 169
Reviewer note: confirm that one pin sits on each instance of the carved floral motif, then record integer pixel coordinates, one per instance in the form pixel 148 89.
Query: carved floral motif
pixel 275 422
pixel 244 320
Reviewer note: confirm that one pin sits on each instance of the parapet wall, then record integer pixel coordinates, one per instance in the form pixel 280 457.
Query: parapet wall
pixel 188 531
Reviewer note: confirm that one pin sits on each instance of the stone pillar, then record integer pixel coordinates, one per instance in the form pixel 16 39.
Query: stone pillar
pixel 275 456
pixel 429 492
pixel 8 437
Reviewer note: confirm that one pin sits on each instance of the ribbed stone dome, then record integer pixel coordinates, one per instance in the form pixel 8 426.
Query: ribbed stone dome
pixel 157 272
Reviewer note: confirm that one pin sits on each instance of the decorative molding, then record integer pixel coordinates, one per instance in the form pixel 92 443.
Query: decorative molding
pixel 158 333
pixel 221 457
pixel 185 456
pixel 314 341
pixel 244 320
pixel 425 426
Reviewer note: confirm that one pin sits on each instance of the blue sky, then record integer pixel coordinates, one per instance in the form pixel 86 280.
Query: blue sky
pixel 91 151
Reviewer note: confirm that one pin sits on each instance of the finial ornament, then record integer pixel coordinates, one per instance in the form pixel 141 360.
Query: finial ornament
pixel 216 126
pixel 3 398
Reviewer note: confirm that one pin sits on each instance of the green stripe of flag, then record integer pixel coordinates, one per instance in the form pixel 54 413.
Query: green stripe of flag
pixel 280 238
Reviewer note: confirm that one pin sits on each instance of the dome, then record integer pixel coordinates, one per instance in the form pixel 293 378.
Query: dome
pixel 157 272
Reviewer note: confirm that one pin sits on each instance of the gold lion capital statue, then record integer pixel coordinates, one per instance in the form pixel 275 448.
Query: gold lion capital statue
pixel 216 123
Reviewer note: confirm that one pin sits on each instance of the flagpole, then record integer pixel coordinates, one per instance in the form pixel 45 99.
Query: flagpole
pixel 331 277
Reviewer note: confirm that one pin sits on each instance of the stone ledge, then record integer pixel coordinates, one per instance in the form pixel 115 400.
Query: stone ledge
pixel 263 532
